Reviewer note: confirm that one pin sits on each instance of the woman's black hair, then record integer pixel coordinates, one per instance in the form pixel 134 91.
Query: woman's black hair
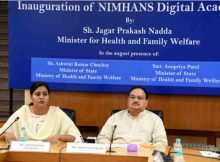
pixel 36 85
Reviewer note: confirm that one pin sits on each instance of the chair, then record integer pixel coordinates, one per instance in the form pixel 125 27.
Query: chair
pixel 70 112
pixel 157 112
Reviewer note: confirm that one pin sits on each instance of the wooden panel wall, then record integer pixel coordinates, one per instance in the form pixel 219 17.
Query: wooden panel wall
pixel 180 111
pixel 4 92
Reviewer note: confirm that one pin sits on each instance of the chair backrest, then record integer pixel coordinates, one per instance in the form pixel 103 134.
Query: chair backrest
pixel 157 112
pixel 70 112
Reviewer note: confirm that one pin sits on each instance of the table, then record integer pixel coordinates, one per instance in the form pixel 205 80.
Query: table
pixel 144 154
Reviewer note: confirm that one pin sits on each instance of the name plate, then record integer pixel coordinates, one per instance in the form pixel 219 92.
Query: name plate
pixel 85 148
pixel 30 146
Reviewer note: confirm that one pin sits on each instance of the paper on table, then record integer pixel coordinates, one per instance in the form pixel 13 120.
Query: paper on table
pixel 209 154
pixel 118 145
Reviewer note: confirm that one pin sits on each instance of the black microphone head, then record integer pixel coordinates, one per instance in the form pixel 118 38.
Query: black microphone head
pixel 17 118
pixel 115 126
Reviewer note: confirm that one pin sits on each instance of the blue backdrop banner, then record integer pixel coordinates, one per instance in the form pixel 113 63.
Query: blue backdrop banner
pixel 171 47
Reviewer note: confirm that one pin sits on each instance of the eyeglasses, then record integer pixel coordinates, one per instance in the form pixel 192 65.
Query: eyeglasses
pixel 132 97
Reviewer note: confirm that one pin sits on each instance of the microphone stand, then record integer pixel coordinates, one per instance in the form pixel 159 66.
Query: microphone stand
pixel 111 141
pixel 9 126
pixel 168 157
pixel 161 156
pixel 16 119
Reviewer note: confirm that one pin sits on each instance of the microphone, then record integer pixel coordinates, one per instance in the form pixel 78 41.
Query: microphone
pixel 111 141
pixel 168 157
pixel 161 156
pixel 16 119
